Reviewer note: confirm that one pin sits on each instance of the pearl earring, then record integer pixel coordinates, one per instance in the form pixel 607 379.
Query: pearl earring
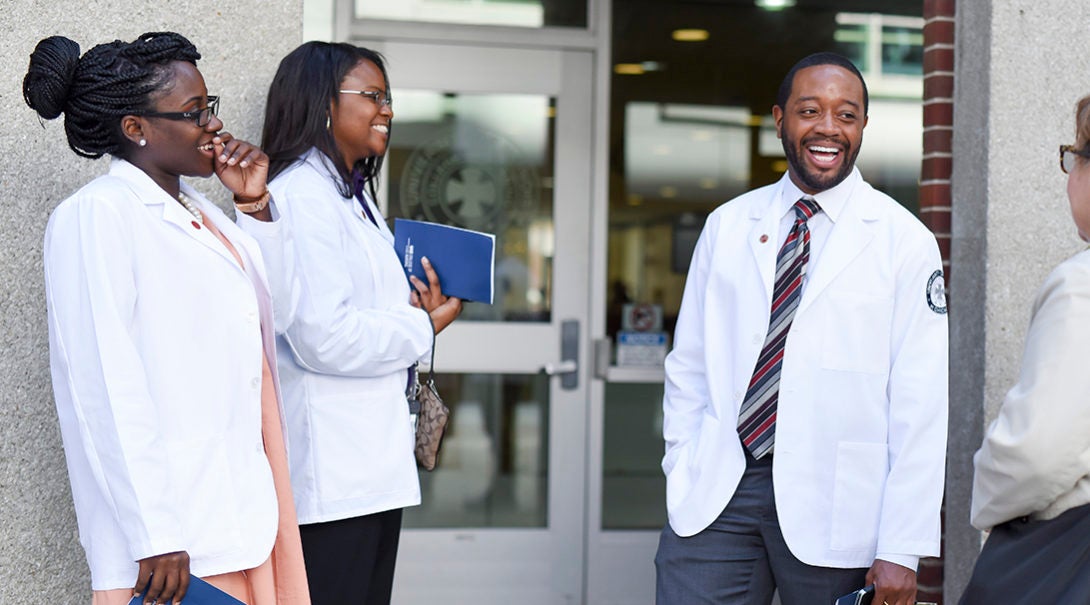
pixel 143 142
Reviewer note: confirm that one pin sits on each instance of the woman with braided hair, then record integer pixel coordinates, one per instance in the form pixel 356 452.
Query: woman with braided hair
pixel 161 332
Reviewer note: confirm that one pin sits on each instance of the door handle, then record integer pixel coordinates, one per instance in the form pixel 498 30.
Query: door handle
pixel 568 366
pixel 560 367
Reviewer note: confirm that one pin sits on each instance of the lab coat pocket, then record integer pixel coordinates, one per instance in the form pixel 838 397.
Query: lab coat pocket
pixel 861 470
pixel 353 439
pixel 202 474
pixel 856 333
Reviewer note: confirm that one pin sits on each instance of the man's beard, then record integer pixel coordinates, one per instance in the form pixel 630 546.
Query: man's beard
pixel 812 181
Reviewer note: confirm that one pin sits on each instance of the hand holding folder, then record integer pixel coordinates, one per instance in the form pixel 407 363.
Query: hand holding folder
pixel 464 260
pixel 199 593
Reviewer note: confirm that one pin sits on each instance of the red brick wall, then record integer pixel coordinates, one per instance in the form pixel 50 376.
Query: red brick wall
pixel 935 202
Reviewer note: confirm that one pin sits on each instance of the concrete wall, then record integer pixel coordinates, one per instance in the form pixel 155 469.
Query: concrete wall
pixel 242 42
pixel 1021 66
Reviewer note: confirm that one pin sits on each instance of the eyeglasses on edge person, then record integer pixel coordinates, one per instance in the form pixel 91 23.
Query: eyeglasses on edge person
pixel 1067 156
pixel 201 117
pixel 380 98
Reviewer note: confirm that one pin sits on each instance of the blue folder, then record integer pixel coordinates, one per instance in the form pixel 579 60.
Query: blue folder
pixel 464 260
pixel 199 593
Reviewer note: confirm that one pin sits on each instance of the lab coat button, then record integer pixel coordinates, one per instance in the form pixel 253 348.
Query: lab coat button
pixel 756 339
pixel 255 382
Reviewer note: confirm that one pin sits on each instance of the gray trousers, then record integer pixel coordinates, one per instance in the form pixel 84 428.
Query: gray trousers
pixel 741 558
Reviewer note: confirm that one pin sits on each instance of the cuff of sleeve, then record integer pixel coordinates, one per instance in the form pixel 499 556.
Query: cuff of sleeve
pixel 909 561
pixel 425 357
pixel 260 228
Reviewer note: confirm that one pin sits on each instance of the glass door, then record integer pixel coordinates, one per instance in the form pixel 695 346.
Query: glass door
pixel 474 143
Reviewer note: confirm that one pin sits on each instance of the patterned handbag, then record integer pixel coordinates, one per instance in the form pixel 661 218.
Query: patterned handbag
pixel 431 419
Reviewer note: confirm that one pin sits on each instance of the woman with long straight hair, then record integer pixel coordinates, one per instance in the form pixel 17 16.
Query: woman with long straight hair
pixel 357 327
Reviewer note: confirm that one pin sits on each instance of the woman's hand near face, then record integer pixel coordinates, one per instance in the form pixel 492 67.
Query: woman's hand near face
pixel 166 578
pixel 242 167
pixel 443 309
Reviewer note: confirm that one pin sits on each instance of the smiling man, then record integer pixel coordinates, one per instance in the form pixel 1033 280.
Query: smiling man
pixel 806 396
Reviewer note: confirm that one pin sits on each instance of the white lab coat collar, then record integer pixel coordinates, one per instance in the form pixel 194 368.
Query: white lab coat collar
pixel 324 166
pixel 151 194
pixel 832 201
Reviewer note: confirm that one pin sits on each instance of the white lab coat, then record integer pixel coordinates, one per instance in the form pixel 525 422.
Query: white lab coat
pixel 860 446
pixel 345 351
pixel 155 346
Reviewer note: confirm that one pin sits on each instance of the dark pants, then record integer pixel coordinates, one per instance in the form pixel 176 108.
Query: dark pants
pixel 352 560
pixel 741 558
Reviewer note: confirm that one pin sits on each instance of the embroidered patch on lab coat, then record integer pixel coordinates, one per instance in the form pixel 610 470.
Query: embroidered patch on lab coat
pixel 936 292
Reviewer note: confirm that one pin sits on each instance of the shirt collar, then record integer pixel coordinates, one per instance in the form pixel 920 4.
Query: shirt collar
pixel 832 201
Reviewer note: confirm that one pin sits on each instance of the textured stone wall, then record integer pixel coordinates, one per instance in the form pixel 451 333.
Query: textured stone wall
pixel 241 41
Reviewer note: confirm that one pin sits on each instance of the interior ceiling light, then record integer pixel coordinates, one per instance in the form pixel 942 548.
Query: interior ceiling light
pixel 629 69
pixel 775 5
pixel 690 35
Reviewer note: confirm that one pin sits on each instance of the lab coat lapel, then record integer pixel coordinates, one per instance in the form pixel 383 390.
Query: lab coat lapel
pixel 848 238
pixel 178 216
pixel 172 211
pixel 763 238
pixel 379 225
pixel 249 250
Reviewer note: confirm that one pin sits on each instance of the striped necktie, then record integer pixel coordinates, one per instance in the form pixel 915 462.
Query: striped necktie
pixel 757 416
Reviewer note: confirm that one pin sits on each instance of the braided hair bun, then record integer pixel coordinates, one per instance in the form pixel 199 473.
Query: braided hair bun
pixel 95 91
pixel 52 66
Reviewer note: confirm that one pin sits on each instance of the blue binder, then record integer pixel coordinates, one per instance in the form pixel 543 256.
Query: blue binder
pixel 464 260
pixel 199 593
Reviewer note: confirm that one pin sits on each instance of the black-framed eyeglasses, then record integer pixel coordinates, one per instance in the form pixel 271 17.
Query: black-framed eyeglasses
pixel 1067 156
pixel 201 117
pixel 380 98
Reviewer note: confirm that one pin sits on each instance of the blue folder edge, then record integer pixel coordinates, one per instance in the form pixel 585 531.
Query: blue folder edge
pixel 199 593
pixel 465 260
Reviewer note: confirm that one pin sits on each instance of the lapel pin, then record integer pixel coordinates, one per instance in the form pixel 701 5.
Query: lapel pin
pixel 195 225
pixel 764 238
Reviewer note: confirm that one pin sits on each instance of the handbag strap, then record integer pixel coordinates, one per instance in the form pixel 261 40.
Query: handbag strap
pixel 431 364
pixel 412 389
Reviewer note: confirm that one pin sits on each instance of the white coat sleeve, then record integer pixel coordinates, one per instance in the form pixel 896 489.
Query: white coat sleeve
pixel 278 253
pixel 918 401
pixel 92 294
pixel 1039 445
pixel 330 334
pixel 686 388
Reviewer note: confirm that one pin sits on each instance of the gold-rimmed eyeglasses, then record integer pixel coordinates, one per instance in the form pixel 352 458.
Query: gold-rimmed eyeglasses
pixel 380 98
pixel 1067 156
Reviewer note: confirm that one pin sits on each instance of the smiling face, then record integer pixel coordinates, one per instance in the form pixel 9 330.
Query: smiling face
pixel 821 126
pixel 177 147
pixel 361 127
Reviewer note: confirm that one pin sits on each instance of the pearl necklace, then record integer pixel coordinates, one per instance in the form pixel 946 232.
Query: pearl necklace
pixel 190 207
